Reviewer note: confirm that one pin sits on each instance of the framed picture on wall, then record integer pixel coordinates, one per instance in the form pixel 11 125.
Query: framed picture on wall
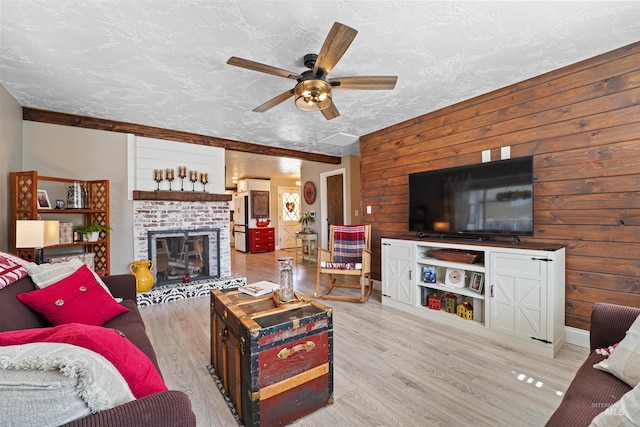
pixel 259 204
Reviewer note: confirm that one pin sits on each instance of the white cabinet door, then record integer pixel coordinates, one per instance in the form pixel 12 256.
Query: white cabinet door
pixel 518 295
pixel 397 278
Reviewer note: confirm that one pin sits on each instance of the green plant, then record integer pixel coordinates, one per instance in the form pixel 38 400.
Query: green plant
pixel 307 219
pixel 92 228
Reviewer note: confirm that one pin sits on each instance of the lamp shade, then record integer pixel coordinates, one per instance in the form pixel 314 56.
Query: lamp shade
pixel 37 234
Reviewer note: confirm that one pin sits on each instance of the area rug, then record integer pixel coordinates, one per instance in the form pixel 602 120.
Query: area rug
pixel 224 394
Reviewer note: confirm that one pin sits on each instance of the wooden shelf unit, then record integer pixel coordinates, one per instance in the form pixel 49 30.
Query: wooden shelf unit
pixel 23 205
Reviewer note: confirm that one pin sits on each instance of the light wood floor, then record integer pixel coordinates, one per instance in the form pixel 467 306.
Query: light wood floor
pixel 390 368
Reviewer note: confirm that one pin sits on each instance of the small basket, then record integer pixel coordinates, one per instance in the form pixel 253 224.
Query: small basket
pixel 456 255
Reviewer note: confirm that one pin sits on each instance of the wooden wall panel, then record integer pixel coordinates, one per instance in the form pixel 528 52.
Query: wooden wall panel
pixel 582 125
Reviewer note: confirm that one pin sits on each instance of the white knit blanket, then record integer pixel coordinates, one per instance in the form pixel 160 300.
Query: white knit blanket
pixel 49 384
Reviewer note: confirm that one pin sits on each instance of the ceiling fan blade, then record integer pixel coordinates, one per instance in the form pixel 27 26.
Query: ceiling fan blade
pixel 331 112
pixel 262 68
pixel 274 101
pixel 335 45
pixel 364 82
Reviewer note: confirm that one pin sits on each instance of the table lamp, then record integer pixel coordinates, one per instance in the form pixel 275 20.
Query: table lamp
pixel 37 234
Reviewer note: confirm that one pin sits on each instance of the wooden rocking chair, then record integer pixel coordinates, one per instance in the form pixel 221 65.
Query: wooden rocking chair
pixel 349 254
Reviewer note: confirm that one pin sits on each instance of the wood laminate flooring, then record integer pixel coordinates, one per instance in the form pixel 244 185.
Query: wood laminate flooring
pixel 390 368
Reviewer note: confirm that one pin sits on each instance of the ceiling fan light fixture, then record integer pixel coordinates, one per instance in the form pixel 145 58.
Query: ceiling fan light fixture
pixel 313 95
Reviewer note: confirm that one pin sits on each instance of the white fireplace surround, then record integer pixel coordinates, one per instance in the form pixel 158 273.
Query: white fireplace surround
pixel 162 215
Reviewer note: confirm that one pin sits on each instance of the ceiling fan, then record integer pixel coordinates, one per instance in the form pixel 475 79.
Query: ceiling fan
pixel 313 90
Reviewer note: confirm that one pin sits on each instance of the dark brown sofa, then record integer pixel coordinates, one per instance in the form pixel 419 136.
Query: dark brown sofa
pixel 592 391
pixel 166 409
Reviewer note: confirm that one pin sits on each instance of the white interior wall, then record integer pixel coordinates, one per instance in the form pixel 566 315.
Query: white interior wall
pixel 72 152
pixel 148 154
pixel 86 154
pixel 10 155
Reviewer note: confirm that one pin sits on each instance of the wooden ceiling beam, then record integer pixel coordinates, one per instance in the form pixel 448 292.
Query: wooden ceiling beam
pixel 45 116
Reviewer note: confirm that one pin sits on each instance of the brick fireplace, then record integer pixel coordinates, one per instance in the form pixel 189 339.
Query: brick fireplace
pixel 176 212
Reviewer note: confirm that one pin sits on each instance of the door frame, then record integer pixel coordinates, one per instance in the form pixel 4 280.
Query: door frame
pixel 324 229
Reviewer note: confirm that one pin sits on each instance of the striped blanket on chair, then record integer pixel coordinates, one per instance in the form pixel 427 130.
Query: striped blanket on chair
pixel 348 243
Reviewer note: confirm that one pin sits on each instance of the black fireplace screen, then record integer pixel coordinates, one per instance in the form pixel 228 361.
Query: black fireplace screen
pixel 184 255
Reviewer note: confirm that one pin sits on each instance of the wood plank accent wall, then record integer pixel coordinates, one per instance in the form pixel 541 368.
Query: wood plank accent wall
pixel 582 125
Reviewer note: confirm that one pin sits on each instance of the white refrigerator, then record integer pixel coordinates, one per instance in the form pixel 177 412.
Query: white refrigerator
pixel 241 222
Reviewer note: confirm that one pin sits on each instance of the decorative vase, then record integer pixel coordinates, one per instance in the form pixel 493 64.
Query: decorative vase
pixel 144 277
pixel 76 196
pixel 285 270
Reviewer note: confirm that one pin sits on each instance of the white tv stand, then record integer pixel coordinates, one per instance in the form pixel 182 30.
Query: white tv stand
pixel 521 302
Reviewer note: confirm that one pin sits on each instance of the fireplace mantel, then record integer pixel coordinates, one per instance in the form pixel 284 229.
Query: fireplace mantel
pixel 180 196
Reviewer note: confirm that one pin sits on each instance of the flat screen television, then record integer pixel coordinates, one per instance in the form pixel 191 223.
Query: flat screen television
pixel 494 198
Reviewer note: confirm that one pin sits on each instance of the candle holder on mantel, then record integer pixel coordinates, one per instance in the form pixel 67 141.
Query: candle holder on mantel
pixel 193 177
pixel 157 177
pixel 182 173
pixel 204 179
pixel 170 177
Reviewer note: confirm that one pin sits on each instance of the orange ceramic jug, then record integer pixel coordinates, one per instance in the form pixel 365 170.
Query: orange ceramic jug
pixel 144 277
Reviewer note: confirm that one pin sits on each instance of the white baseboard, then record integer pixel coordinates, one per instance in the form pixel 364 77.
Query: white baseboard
pixel 576 336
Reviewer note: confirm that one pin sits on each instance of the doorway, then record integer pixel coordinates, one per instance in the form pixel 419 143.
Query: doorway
pixel 334 203
pixel 288 216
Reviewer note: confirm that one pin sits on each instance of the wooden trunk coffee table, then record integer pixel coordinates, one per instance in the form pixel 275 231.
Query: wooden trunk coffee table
pixel 274 360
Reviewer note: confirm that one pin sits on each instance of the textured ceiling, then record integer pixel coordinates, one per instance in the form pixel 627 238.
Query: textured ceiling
pixel 163 62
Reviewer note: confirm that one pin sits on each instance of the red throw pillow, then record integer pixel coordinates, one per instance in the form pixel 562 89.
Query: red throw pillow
pixel 77 298
pixel 136 368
